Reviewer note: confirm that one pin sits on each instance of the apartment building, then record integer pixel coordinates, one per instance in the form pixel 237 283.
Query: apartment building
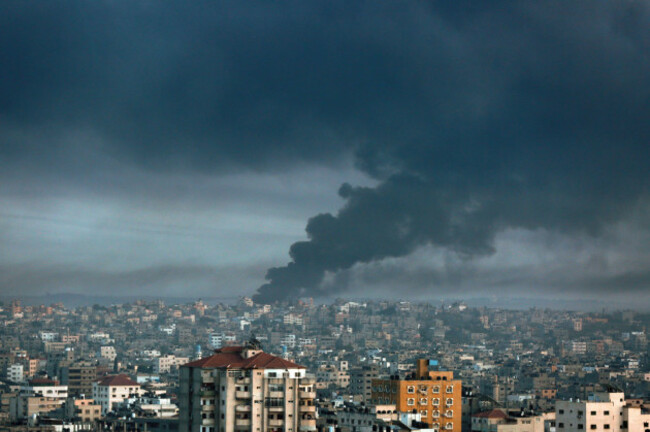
pixel 434 394
pixel 79 377
pixel 39 396
pixel 164 364
pixel 114 389
pixel 602 411
pixel 244 389
pixel 84 409
pixel 361 381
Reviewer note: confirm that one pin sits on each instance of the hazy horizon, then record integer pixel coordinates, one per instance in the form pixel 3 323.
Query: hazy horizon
pixel 326 149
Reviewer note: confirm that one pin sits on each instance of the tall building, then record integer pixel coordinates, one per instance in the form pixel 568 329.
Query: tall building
pixel 361 381
pixel 244 389
pixel 434 394
pixel 79 377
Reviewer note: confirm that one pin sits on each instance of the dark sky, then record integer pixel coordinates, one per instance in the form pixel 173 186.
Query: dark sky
pixel 392 149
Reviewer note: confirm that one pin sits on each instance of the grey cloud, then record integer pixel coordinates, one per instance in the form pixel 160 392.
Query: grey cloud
pixel 475 118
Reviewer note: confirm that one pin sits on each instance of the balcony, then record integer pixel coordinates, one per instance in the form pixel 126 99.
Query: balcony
pixel 276 408
pixel 307 425
pixel 243 394
pixel 242 408
pixel 276 394
pixel 207 408
pixel 207 393
pixel 276 423
pixel 307 409
pixel 242 422
pixel 307 395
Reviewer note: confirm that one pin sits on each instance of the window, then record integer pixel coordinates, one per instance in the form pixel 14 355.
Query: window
pixel 581 426
pixel 449 413
pixel 593 413
pixel 410 389
pixel 435 401
pixel 561 411
pixel 449 402
pixel 424 401
pixel 593 426
pixel 606 413
pixel 410 401
pixel 606 426
pixel 435 413
pixel 424 413
pixel 450 389
pixel 560 425
pixel 436 389
pixel 449 426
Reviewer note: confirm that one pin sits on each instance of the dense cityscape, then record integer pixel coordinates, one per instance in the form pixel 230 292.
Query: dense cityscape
pixel 324 216
pixel 299 366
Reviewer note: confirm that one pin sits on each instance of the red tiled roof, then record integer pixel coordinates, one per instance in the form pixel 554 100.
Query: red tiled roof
pixel 494 414
pixel 230 357
pixel 117 380
pixel 42 381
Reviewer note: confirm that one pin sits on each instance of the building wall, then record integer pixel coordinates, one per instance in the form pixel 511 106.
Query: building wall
pixel 257 400
pixel 437 399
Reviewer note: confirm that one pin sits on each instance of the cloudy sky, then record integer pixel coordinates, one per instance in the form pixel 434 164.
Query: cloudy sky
pixel 324 148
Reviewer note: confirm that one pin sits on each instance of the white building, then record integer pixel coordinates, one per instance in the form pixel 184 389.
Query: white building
pixel 108 352
pixel 48 336
pixel 112 390
pixel 15 373
pixel 601 412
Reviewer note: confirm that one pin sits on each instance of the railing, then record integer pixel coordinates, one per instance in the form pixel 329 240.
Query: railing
pixel 307 408
pixel 307 395
pixel 243 394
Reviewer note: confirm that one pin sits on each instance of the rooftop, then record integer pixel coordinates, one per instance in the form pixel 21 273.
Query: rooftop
pixel 231 357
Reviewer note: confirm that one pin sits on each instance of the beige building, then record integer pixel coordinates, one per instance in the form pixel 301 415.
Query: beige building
pixel 85 409
pixel 244 389
pixel 498 420
pixel 114 389
pixel 164 364
pixel 601 412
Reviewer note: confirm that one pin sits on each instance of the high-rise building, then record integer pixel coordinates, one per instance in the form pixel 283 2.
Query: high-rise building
pixel 244 389
pixel 79 377
pixel 434 394
pixel 361 381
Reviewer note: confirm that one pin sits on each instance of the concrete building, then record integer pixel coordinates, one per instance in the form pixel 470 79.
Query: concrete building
pixel 165 364
pixel 39 396
pixel 244 389
pixel 361 381
pixel 15 373
pixel 84 409
pixel 601 412
pixel 114 389
pixel 79 377
pixel 434 394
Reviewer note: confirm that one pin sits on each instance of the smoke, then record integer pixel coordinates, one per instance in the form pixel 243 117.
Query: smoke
pixel 530 118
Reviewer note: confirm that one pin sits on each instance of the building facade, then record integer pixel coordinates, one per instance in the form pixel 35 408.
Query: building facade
pixel 113 390
pixel 244 389
pixel 434 394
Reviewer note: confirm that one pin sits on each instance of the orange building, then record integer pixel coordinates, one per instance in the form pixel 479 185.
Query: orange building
pixel 436 395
